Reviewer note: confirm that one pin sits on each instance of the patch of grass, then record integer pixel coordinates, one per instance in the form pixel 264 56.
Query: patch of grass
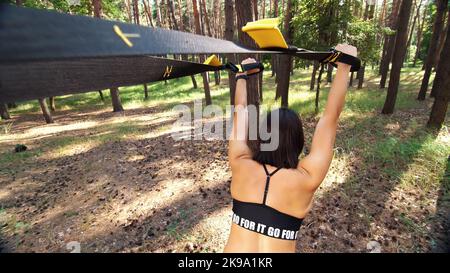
pixel 10 158
pixel 70 213
pixel 175 228
pixel 6 128
pixel 410 224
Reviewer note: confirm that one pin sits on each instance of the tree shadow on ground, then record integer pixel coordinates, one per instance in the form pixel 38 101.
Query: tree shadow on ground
pixel 92 196
pixel 442 243
pixel 363 204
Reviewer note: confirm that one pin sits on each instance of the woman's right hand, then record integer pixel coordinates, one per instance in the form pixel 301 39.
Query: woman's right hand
pixel 349 50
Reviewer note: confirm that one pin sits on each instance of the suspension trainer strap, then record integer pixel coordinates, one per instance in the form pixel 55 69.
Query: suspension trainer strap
pixel 45 53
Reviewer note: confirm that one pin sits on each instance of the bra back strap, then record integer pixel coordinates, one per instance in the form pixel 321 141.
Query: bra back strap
pixel 268 175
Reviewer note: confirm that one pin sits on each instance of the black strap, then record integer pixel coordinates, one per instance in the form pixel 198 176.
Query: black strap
pixel 268 175
pixel 253 66
pixel 45 53
pixel 337 56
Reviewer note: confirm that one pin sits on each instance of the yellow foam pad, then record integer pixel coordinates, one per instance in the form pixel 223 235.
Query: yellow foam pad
pixel 213 61
pixel 266 33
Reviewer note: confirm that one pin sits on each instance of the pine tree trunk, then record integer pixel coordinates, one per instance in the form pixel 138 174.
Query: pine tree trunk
pixel 361 73
pixel 206 17
pixel 244 14
pixel 136 12
pixel 145 92
pixel 128 9
pixel 51 101
pixel 172 14
pixel 350 83
pixel 416 17
pixel 419 37
pixel 263 9
pixel 312 83
pixel 158 13
pixel 387 56
pixel 438 23
pixel 148 12
pixel 442 38
pixel 4 113
pixel 283 72
pixel 229 35
pixel 330 73
pixel 274 58
pixel 45 111
pixel 319 79
pixel 101 95
pixel 441 87
pixel 115 98
pixel 398 57
pixel 202 58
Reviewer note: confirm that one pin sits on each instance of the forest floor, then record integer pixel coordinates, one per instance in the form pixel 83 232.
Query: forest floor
pixel 119 182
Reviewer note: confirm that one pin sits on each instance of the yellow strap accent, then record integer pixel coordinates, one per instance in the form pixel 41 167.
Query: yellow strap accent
pixel 265 33
pixel 167 72
pixel 337 54
pixel 333 57
pixel 213 61
pixel 125 36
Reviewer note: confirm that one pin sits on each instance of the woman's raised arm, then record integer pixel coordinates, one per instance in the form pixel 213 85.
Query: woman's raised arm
pixel 238 148
pixel 317 162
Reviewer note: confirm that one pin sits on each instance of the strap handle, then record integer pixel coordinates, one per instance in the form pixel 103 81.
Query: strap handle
pixel 337 56
pixel 251 69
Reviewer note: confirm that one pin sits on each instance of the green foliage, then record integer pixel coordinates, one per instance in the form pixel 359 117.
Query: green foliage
pixel 111 9
pixel 427 29
pixel 363 35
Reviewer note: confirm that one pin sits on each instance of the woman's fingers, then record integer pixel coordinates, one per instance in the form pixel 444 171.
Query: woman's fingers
pixel 347 49
pixel 248 61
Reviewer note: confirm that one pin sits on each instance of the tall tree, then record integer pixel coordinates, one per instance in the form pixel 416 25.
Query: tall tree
pixel 45 111
pixel 97 7
pixel 441 87
pixel 4 113
pixel 415 19
pixel 183 28
pixel 136 16
pixel 116 101
pixel 274 13
pixel 389 41
pixel 198 30
pixel 127 8
pixel 172 14
pixel 437 28
pixel 283 73
pixel 158 13
pixel 229 35
pixel 51 102
pixel 114 92
pixel 244 14
pixel 136 12
pixel 148 12
pixel 206 17
pixel 419 36
pixel 398 57
pixel 441 43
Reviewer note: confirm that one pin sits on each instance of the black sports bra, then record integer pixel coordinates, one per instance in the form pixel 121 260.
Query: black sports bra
pixel 266 220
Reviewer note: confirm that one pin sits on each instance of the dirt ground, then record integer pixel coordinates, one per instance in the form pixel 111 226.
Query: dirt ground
pixel 110 182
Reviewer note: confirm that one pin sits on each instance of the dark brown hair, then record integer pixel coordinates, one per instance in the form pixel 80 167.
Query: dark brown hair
pixel 291 140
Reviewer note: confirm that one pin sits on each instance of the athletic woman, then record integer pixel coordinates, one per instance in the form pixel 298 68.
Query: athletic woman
pixel 272 190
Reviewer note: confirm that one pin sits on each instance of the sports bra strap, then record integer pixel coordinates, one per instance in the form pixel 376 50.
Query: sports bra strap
pixel 268 175
pixel 267 172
